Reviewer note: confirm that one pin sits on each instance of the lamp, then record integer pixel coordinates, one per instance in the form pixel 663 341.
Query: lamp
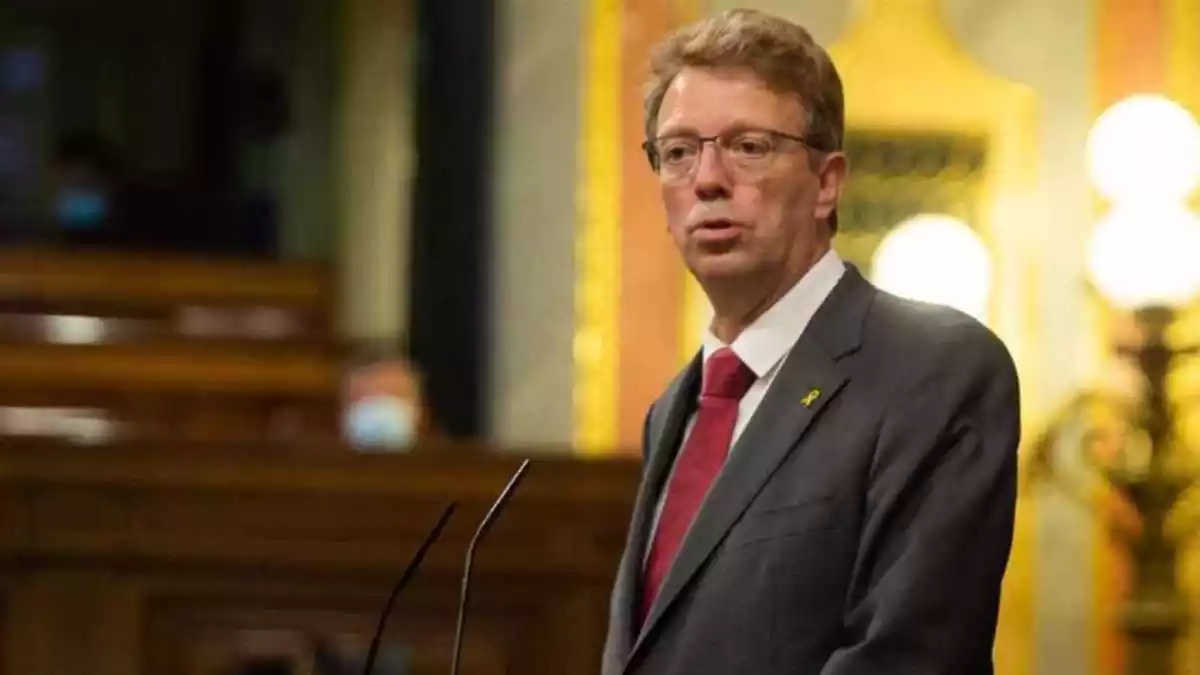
pixel 1145 148
pixel 1144 156
pixel 935 258
pixel 1155 614
pixel 1145 255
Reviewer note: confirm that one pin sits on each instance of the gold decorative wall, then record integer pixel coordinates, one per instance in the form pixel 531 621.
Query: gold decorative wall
pixel 628 289
pixel 598 240
pixel 900 174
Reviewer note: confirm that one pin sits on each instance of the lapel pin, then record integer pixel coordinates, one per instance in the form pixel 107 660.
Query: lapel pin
pixel 810 397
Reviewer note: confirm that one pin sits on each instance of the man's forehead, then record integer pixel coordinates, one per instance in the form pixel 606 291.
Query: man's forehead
pixel 708 96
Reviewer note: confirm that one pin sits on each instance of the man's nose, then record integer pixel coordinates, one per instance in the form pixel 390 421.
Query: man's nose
pixel 712 178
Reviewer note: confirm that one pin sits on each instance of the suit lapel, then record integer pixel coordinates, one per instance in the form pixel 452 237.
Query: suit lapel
pixel 665 427
pixel 781 420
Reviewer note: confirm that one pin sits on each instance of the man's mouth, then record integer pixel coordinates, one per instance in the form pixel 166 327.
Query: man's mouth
pixel 716 230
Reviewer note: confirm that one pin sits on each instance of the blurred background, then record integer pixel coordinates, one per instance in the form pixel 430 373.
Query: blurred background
pixel 281 278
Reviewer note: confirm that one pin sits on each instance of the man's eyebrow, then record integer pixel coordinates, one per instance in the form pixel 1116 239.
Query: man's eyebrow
pixel 736 127
pixel 681 130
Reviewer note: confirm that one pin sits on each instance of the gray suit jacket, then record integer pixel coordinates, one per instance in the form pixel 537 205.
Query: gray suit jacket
pixel 863 523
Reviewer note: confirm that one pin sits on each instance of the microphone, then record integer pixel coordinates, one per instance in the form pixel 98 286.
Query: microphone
pixel 484 526
pixel 409 571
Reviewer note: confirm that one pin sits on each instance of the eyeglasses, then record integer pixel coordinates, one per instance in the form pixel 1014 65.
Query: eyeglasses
pixel 748 151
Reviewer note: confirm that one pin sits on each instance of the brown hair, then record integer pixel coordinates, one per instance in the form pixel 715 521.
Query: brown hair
pixel 780 53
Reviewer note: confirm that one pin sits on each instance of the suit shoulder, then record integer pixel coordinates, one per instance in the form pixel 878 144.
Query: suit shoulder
pixel 935 336
pixel 933 364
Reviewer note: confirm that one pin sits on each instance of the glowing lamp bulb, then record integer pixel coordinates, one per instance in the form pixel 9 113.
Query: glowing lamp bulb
pixel 938 259
pixel 1144 149
pixel 1146 256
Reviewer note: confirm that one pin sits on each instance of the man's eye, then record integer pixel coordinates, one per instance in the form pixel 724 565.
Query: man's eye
pixel 749 146
pixel 676 151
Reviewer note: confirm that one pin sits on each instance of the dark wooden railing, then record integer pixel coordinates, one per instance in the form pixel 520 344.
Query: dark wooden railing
pixel 198 560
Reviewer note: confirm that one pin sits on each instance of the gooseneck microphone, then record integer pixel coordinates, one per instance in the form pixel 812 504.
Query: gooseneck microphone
pixel 405 577
pixel 480 533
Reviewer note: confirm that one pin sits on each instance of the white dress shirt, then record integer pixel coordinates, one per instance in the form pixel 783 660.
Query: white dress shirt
pixel 763 345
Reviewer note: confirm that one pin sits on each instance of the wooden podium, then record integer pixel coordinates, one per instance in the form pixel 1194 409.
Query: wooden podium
pixel 167 560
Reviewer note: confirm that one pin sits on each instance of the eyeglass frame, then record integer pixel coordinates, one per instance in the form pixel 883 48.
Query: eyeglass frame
pixel 653 158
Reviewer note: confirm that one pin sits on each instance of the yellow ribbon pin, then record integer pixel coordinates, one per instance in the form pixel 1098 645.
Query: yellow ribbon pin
pixel 810 397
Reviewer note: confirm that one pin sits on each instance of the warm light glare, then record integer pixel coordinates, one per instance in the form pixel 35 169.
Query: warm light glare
pixel 74 330
pixel 1144 149
pixel 938 259
pixel 1140 257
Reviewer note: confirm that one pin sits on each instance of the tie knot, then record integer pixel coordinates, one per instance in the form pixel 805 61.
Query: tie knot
pixel 725 376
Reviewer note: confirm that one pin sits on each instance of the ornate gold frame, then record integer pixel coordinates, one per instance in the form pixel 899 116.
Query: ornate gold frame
pixel 598 234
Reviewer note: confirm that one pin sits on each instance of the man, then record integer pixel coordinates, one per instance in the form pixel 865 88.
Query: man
pixel 383 406
pixel 830 485
pixel 88 187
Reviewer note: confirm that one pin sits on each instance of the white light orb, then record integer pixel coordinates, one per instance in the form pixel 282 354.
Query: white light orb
pixel 1146 256
pixel 1144 149
pixel 936 258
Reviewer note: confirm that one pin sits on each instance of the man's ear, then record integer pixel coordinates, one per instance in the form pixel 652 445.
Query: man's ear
pixel 832 174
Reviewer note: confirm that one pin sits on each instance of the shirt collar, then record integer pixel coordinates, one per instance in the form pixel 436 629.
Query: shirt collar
pixel 764 342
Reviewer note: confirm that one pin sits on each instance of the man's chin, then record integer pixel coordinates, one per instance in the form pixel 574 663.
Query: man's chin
pixel 722 267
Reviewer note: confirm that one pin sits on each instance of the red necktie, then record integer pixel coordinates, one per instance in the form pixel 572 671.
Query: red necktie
pixel 726 381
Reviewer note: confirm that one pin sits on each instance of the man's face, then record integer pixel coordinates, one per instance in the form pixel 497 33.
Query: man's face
pixel 82 196
pixel 731 223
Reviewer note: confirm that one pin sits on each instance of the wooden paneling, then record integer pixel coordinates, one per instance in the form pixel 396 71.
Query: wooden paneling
pixel 161 560
pixel 177 388
pixel 159 280
pixel 171 367
pixel 121 345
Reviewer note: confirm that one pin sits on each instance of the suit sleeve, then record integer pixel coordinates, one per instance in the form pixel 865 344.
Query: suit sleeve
pixel 938 526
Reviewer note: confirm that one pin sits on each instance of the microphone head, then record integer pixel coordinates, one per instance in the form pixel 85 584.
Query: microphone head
pixel 500 503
